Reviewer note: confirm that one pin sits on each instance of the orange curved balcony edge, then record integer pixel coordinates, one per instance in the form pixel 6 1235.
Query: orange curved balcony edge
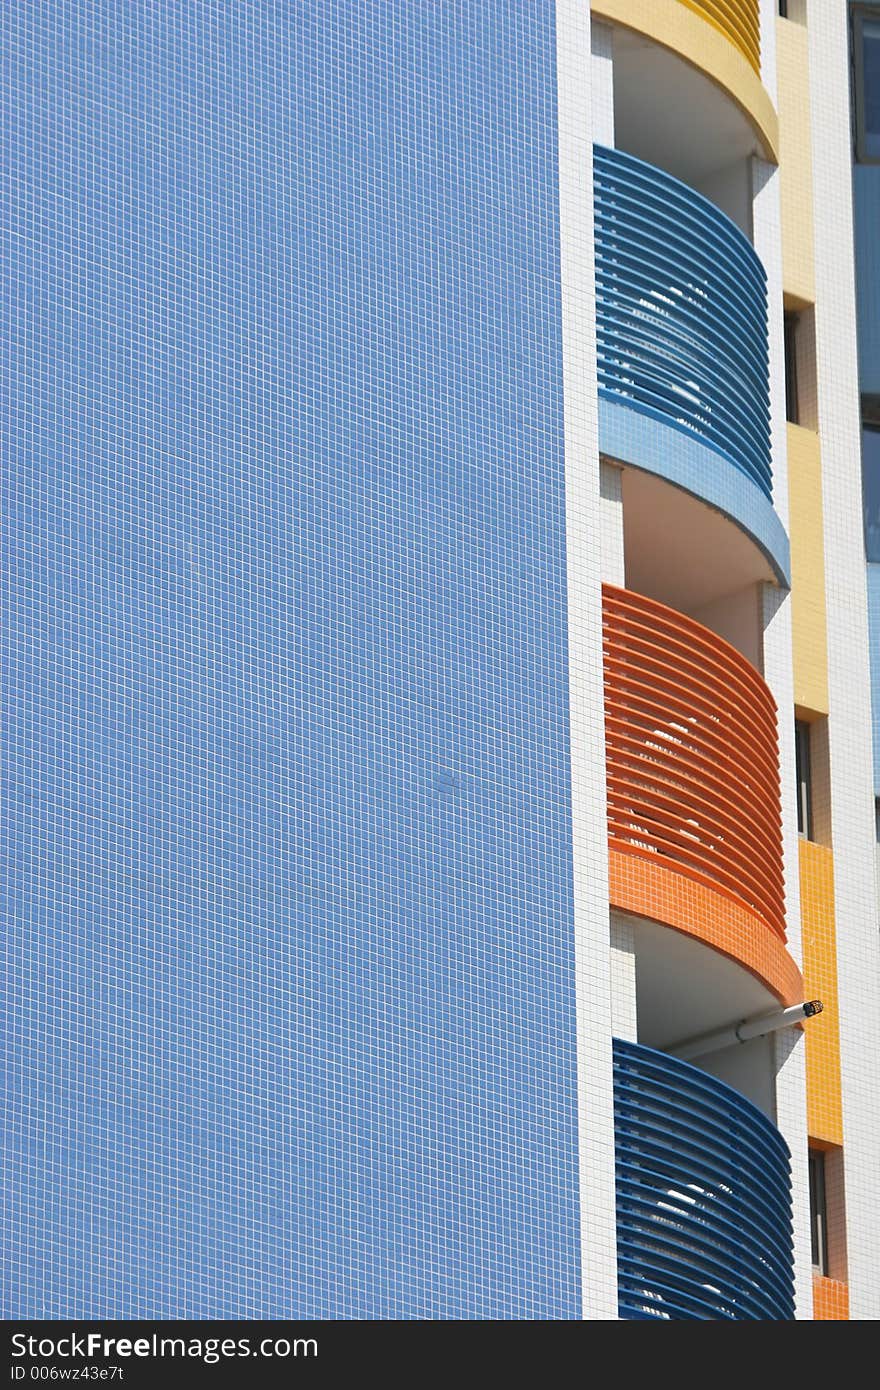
pixel 656 892
pixel 719 39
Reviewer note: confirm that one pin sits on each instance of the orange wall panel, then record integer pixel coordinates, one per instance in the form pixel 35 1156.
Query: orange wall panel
pixel 830 1299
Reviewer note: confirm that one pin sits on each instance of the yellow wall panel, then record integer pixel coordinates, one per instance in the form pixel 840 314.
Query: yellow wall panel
pixel 795 161
pixel 807 570
pixel 824 1120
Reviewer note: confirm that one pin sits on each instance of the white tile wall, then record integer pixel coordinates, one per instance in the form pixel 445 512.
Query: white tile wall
pixel 602 47
pixel 624 1013
pixel 778 673
pixel 849 731
pixel 611 509
pixel 583 522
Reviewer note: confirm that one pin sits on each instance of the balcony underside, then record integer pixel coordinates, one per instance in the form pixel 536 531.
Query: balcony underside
pixel 685 988
pixel 628 437
pixel 652 889
pixel 688 54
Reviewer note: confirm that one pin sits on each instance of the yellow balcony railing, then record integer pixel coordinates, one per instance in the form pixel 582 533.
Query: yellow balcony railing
pixel 738 20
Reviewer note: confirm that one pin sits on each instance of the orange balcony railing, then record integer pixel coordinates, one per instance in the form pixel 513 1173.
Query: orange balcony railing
pixel 738 20
pixel 692 756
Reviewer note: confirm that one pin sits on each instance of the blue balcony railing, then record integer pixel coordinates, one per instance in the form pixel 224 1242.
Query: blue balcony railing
pixel 681 313
pixel 703 1196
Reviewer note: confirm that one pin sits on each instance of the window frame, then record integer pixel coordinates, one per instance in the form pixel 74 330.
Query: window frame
pixel 790 328
pixel 818 1210
pixel 859 14
pixel 872 427
pixel 803 778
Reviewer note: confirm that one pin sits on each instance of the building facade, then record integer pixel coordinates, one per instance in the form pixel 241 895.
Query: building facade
pixel 436 663
pixel 865 44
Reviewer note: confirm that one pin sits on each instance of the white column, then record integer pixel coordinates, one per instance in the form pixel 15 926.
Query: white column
pixel 611 516
pixel 583 528
pixel 624 1012
pixel 849 723
pixel 602 48
pixel 791 1103
pixel 769 13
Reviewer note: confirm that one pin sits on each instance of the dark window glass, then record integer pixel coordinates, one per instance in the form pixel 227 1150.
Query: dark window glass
pixel 804 778
pixel 818 1211
pixel 791 386
pixel 871 78
pixel 871 489
pixel 867 62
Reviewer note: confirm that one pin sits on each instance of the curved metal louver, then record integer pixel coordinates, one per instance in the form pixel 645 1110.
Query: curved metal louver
pixel 692 755
pixel 681 313
pixel 703 1196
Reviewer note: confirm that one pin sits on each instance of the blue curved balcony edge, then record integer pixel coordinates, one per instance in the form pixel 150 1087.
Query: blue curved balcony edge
pixel 631 437
pixel 704 1211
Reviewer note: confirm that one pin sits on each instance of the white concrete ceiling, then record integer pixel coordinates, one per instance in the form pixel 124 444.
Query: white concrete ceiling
pixel 682 136
pixel 681 551
pixel 684 988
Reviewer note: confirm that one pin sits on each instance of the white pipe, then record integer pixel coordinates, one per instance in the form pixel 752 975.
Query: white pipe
pixel 757 1027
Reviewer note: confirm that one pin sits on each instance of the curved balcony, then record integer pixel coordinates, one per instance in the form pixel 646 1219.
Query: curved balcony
pixel 704 1226
pixel 717 39
pixel 694 811
pixel 682 313
pixel 682 345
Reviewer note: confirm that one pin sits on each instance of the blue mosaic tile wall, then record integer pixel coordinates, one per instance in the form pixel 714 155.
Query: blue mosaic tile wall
pixel 287 882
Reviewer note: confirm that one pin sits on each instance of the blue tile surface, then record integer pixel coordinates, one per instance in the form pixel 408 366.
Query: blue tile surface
pixel 286 851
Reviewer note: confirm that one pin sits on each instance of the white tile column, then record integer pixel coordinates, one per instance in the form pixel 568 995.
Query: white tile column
pixel 791 1092
pixel 624 1011
pixel 583 527
pixel 602 50
pixel 849 723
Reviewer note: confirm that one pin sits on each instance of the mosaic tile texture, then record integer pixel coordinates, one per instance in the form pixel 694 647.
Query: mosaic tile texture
pixel 287 847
